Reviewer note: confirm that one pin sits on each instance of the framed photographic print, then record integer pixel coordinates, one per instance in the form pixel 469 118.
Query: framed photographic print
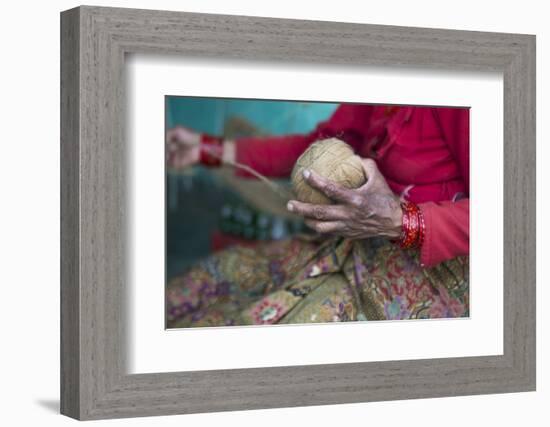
pixel 263 213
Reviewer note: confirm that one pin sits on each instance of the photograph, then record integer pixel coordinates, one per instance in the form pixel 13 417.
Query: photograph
pixel 293 212
pixel 267 210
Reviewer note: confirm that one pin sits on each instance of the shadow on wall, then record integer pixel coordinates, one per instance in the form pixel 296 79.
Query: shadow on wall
pixel 52 405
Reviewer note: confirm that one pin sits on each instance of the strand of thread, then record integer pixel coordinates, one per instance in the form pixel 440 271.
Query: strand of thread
pixel 330 158
pixel 277 189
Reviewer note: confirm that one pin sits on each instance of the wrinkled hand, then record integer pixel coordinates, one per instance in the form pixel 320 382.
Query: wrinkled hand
pixel 368 211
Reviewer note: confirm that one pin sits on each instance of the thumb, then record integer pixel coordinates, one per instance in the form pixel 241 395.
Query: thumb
pixel 371 171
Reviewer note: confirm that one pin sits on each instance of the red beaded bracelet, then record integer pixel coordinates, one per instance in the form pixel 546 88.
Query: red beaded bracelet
pixel 211 150
pixel 412 232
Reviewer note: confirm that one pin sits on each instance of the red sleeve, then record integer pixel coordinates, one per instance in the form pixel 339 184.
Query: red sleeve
pixel 448 223
pixel 275 156
pixel 447 233
pixel 455 127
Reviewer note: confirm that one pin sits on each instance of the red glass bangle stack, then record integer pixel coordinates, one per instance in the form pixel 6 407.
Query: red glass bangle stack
pixel 211 150
pixel 412 233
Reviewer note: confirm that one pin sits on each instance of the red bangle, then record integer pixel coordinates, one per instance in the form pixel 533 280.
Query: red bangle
pixel 211 150
pixel 422 228
pixel 412 232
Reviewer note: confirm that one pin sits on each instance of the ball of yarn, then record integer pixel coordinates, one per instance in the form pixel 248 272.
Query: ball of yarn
pixel 332 159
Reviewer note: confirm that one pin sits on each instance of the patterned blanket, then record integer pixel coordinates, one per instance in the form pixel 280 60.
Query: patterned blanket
pixel 311 279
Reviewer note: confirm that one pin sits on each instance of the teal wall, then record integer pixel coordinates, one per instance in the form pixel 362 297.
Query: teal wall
pixel 271 117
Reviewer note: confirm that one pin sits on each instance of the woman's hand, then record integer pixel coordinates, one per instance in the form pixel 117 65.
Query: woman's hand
pixel 368 211
pixel 182 147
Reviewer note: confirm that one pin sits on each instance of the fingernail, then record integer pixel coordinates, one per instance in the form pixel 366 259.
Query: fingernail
pixel 306 173
pixel 289 206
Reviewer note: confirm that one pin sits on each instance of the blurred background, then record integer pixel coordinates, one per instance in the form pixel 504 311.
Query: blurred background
pixel 210 209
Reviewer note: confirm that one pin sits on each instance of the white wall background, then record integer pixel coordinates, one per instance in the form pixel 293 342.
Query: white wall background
pixel 29 211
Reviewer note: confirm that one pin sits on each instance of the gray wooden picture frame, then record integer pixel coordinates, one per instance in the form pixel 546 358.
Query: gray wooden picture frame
pixel 94 41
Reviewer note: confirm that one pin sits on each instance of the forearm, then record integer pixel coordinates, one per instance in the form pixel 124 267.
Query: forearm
pixel 275 155
pixel 447 231
pixel 271 156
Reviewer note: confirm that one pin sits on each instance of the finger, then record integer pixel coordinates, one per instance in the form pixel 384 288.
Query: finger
pixel 172 146
pixel 169 158
pixel 180 161
pixel 172 135
pixel 326 226
pixel 176 158
pixel 182 135
pixel 371 171
pixel 318 212
pixel 331 189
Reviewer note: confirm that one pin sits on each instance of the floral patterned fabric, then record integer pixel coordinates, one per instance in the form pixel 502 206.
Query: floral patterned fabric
pixel 308 279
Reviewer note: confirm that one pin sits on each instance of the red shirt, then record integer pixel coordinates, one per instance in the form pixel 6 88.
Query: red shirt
pixel 423 152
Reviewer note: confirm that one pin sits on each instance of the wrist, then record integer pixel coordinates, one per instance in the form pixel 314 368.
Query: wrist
pixel 397 221
pixel 195 151
pixel 229 151
pixel 210 150
pixel 413 226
